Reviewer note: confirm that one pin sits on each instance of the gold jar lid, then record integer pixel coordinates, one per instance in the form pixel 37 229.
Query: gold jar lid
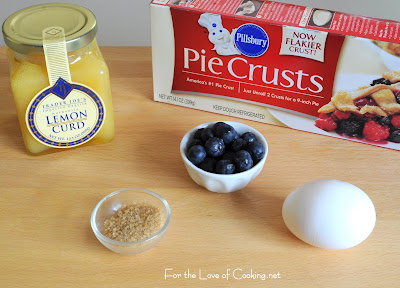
pixel 22 31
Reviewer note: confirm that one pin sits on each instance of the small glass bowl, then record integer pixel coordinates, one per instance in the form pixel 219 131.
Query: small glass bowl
pixel 112 202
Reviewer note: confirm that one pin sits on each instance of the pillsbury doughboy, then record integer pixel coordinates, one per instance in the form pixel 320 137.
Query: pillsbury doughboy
pixel 219 36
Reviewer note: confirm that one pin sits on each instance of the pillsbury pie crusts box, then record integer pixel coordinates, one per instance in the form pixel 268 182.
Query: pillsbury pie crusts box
pixel 309 69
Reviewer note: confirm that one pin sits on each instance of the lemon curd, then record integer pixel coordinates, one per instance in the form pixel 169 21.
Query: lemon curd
pixel 87 68
pixel 29 76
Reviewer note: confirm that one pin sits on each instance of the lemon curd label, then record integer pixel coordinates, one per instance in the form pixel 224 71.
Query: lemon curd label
pixel 65 115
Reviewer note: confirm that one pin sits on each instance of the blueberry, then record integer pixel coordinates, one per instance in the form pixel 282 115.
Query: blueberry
pixel 208 165
pixel 395 136
pixel 206 134
pixel 194 142
pixel 256 150
pixel 226 132
pixel 381 81
pixel 238 144
pixel 384 121
pixel 376 81
pixel 229 155
pixel 243 161
pixel 215 147
pixel 215 126
pixel 249 137
pixel 196 154
pixel 225 167
pixel 351 127
pixel 397 95
pixel 197 134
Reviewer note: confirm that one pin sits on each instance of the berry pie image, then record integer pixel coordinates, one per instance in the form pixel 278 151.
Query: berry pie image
pixel 392 48
pixel 371 112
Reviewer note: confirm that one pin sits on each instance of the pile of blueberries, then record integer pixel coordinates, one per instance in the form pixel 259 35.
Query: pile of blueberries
pixel 220 149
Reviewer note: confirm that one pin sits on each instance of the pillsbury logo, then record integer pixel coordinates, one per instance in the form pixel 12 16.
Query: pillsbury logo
pixel 251 40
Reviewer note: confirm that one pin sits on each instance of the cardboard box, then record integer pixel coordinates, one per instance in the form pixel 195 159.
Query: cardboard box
pixel 309 69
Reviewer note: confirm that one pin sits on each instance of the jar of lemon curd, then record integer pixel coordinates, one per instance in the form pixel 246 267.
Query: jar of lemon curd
pixel 59 78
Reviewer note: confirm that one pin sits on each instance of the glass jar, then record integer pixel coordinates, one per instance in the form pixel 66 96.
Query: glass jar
pixel 63 120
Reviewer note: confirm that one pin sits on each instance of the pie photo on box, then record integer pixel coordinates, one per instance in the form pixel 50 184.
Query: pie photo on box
pixel 392 48
pixel 371 112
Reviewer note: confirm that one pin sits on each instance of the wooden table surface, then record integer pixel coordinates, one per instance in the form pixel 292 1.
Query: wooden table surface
pixel 46 202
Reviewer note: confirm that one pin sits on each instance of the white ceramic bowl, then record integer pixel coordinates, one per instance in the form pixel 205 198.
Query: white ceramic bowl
pixel 217 182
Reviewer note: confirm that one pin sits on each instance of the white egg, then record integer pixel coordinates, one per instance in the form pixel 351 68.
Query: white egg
pixel 329 214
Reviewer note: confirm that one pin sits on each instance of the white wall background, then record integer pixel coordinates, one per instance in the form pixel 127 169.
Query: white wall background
pixel 127 22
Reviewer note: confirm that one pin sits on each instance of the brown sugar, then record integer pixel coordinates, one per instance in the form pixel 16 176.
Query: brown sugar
pixel 133 222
